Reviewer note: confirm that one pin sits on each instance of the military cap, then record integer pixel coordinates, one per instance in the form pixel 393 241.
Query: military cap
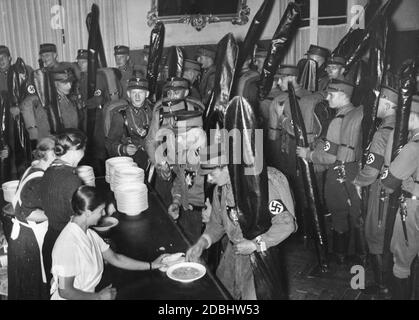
pixel 336 85
pixel 176 83
pixel 287 70
pixel 319 51
pixel 206 52
pixel 82 54
pixel 4 50
pixel 47 47
pixel 121 50
pixel 390 94
pixel 137 83
pixel 189 64
pixel 415 104
pixel 339 60
pixel 63 75
pixel 213 157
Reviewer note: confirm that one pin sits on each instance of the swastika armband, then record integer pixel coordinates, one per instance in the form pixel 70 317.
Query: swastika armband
pixel 330 147
pixel 277 207
pixel 390 181
pixel 375 160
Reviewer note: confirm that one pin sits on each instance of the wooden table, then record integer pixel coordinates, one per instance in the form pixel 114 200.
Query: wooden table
pixel 145 237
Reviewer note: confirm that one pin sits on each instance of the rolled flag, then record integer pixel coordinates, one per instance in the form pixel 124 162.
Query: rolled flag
pixel 154 55
pixel 92 23
pixel 309 180
pixel 227 53
pixel 363 42
pixel 283 34
pixel 308 77
pixel 175 62
pixel 255 31
pixel 247 169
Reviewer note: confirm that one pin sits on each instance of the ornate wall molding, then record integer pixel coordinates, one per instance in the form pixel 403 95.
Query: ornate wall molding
pixel 199 21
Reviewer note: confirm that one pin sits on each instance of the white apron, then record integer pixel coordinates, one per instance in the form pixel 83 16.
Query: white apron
pixel 39 229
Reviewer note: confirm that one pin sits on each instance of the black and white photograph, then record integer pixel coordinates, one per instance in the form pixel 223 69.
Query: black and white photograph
pixel 209 155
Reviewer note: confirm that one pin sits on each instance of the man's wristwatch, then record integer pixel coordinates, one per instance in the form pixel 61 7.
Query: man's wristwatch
pixel 260 244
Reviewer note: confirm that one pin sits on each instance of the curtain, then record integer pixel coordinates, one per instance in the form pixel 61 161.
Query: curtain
pixel 25 24
pixel 329 36
pixel 298 47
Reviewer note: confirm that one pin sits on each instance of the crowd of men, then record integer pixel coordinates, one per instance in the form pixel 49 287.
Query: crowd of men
pixel 126 122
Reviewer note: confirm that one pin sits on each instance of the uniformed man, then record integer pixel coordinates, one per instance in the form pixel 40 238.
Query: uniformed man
pixel 188 197
pixel 341 196
pixel 49 57
pixel 404 172
pixel 5 62
pixel 192 72
pixel 206 57
pixel 39 121
pixel 107 95
pixel 174 111
pixel 377 162
pixel 81 86
pixel 235 269
pixel 335 68
pixel 130 124
pixel 122 60
pixel 281 131
pixel 281 141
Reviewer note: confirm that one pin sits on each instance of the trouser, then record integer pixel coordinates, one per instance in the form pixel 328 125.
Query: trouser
pixel 49 241
pixel 344 215
pixel 404 255
pixel 190 221
pixel 373 232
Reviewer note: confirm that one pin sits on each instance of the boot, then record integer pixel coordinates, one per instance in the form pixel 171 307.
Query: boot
pixel 400 289
pixel 340 246
pixel 378 289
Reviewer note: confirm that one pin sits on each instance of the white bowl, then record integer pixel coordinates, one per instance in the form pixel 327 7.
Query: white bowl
pixel 199 269
pixel 107 223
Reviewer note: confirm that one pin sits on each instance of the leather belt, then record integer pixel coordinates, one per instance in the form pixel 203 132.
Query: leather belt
pixel 408 195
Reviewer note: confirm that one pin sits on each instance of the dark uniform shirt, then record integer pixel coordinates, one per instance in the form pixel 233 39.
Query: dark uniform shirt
pixel 129 125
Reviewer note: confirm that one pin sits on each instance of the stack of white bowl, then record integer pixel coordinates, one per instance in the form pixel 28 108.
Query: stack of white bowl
pixel 123 174
pixel 131 198
pixel 114 161
pixel 87 175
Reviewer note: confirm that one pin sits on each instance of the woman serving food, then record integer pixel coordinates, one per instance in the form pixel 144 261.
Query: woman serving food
pixel 78 254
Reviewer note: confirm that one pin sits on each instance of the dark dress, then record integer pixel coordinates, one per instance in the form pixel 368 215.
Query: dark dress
pixel 24 264
pixel 58 186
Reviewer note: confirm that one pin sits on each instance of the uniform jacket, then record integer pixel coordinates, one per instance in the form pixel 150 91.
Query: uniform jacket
pixel 36 119
pixel 188 186
pixel 158 121
pixel 404 170
pixel 377 157
pixel 326 151
pixel 137 119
